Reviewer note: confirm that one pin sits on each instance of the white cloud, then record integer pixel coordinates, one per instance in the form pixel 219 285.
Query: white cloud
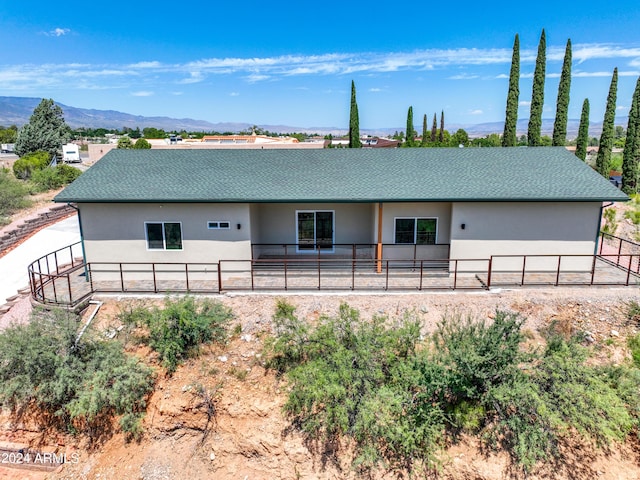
pixel 58 32
pixel 524 103
pixel 142 94
pixel 463 76
pixel 234 94
pixel 374 90
pixel 622 107
pixel 476 112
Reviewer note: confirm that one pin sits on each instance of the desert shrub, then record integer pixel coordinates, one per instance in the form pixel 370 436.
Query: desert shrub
pixel 54 177
pixel 78 383
pixel 24 167
pixel 478 355
pixel 633 215
pixel 356 378
pixel 555 397
pixel 398 397
pixel 610 222
pixel 178 329
pixel 13 196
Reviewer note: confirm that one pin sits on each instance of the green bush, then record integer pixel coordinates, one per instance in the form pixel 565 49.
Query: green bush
pixel 355 378
pixel 81 383
pixel 400 398
pixel 25 166
pixel 141 144
pixel 54 177
pixel 178 329
pixel 13 196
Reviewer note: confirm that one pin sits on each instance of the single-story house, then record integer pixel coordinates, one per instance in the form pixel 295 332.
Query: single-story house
pixel 194 206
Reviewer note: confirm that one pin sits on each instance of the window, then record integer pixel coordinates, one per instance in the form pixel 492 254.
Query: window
pixel 218 225
pixel 164 235
pixel 419 231
pixel 315 230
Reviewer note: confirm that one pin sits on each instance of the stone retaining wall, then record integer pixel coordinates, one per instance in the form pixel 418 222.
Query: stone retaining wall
pixel 31 225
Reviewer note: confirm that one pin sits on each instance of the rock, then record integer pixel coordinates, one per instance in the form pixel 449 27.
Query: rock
pixel 223 358
pixel 615 333
pixel 212 456
pixel 246 337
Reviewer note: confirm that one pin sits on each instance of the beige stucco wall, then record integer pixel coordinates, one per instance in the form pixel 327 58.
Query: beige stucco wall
pixel 116 232
pixel 520 228
pixel 276 222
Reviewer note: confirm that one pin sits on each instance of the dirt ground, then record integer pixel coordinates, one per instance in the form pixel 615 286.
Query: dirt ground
pixel 248 437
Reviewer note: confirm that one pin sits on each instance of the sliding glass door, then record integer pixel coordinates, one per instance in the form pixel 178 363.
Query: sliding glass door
pixel 315 230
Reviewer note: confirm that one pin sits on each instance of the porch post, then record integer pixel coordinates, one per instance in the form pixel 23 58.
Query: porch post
pixel 379 246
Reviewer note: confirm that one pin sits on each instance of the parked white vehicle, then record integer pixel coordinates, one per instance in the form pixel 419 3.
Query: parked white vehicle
pixel 71 153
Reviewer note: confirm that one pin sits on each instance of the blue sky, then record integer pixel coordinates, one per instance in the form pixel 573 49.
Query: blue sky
pixel 285 63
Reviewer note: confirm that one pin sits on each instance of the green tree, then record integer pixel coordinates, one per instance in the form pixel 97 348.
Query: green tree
pixel 562 103
pixel 441 135
pixel 125 142
pixel 631 153
pixel 151 132
pixel 583 132
pixel 434 129
pixel 141 144
pixel 460 138
pixel 8 135
pixel 425 139
pixel 537 94
pixel 411 133
pixel 509 138
pixel 46 130
pixel 603 160
pixel 354 121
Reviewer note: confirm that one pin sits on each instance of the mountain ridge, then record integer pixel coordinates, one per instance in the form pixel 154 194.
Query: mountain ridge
pixel 18 110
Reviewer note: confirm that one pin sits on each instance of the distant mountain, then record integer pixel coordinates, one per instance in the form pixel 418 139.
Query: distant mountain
pixel 18 110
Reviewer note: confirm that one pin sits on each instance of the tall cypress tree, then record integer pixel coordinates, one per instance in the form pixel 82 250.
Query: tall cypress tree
pixel 411 135
pixel 354 121
pixel 441 134
pixel 583 132
pixel 537 94
pixel 425 140
pixel 631 154
pixel 603 160
pixel 434 129
pixel 509 138
pixel 562 104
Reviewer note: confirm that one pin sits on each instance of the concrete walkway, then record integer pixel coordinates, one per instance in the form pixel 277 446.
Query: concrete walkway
pixel 13 266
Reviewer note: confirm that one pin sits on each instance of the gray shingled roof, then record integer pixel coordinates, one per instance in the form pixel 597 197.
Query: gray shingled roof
pixel 341 175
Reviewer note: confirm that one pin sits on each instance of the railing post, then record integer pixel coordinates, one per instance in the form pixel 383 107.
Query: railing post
pixel 353 271
pixel 88 272
pixel 55 294
pixel 186 274
pixel 489 271
pixel 386 286
pixel 121 278
pixel 155 285
pixel 455 274
pixel 421 274
pixel 69 287
pixel 593 269
pixel 619 251
pixel 219 275
pixel 558 272
pixel 524 269
pixel 629 270
pixel 601 237
pixel 252 273
pixel 318 270
pixel 55 257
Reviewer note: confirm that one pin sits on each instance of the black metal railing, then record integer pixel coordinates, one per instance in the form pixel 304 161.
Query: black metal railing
pixel 72 282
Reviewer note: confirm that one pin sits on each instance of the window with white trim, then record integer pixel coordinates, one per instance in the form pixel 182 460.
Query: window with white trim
pixel 415 231
pixel 163 235
pixel 219 225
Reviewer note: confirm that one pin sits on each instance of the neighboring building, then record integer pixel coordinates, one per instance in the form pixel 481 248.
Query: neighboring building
pixel 460 203
pixel 97 151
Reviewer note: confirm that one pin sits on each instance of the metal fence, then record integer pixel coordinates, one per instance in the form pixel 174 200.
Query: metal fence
pixel 71 283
